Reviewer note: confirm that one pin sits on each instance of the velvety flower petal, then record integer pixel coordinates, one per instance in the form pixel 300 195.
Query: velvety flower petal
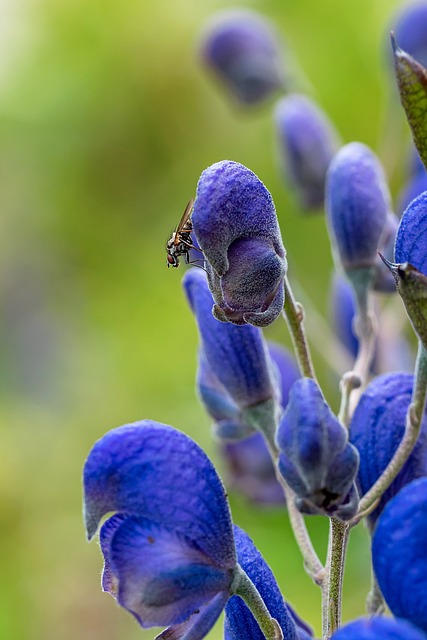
pixel 411 239
pixel 357 203
pixel 242 49
pixel 236 355
pixel 376 429
pixel 108 529
pixel 377 628
pixel 162 576
pixel 239 622
pixel 399 553
pixel 200 622
pixel 150 469
pixel 308 141
pixel 315 458
pixel 236 226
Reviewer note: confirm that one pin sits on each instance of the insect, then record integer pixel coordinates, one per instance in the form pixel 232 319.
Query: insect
pixel 180 242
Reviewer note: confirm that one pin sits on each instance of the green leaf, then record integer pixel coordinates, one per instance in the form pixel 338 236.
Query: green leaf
pixel 412 84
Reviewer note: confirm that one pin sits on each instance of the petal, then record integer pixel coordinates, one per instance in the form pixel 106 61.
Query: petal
pixel 162 576
pixel 376 429
pixel 411 238
pixel 232 203
pixel 108 529
pixel 199 624
pixel 236 355
pixel 150 469
pixel 399 553
pixel 239 622
pixel 378 627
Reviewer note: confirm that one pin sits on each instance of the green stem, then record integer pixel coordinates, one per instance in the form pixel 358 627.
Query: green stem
pixel 294 315
pixel 338 538
pixel 244 587
pixel 414 418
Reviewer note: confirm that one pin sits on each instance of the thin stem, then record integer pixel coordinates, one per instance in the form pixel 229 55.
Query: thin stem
pixel 312 564
pixel 338 539
pixel 294 315
pixel 414 418
pixel 375 605
pixel 244 587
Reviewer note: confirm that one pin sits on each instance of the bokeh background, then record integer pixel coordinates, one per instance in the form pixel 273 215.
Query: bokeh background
pixel 107 119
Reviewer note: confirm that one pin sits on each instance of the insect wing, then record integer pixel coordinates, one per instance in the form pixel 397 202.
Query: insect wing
pixel 184 219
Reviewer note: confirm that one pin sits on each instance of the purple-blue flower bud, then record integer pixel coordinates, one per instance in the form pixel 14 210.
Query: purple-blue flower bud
pixel 315 458
pixel 376 429
pixel 236 225
pixel 308 141
pixel 378 627
pixel 411 238
pixel 399 553
pixel 242 49
pixel 237 356
pixel 357 203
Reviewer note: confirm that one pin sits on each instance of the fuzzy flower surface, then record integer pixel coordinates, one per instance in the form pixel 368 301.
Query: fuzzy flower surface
pixel 376 429
pixel 357 203
pixel 308 142
pixel 379 627
pixel 243 51
pixel 399 553
pixel 236 226
pixel 239 623
pixel 315 458
pixel 411 238
pixel 169 552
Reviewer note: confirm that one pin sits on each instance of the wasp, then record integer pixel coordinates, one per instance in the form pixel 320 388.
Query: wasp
pixel 180 242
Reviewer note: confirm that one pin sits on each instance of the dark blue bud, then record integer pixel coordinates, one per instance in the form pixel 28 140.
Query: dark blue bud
pixel 235 222
pixel 357 203
pixel 343 307
pixel 376 429
pixel 411 238
pixel 308 141
pixel 242 49
pixel 237 356
pixel 316 458
pixel 410 30
pixel 378 627
pixel 399 553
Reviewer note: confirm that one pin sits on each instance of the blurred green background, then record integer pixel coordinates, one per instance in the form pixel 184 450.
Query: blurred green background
pixel 107 119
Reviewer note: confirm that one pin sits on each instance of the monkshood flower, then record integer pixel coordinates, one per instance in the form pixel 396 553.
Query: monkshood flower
pixel 169 550
pixel 343 310
pixel 236 225
pixel 308 142
pixel 376 429
pixel 379 627
pixel 410 29
pixel 316 459
pixel 239 623
pixel 357 203
pixel 242 49
pixel 399 553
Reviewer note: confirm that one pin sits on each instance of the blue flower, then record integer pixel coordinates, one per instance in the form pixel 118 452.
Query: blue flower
pixel 242 49
pixel 308 141
pixel 236 355
pixel 316 459
pixel 239 623
pixel 411 238
pixel 357 203
pixel 343 307
pixel 376 429
pixel 235 222
pixel 399 553
pixel 169 550
pixel 378 627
